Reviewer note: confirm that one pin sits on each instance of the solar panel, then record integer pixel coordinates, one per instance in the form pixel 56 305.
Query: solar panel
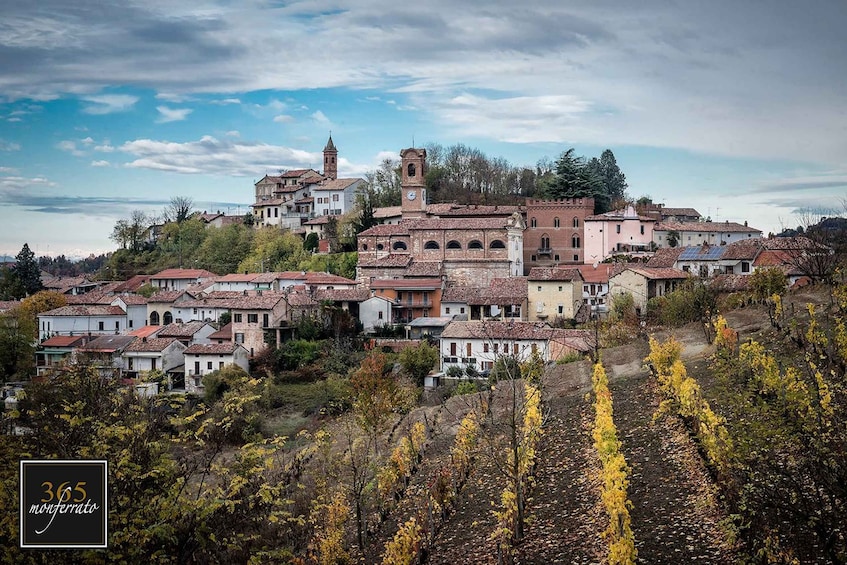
pixel 702 253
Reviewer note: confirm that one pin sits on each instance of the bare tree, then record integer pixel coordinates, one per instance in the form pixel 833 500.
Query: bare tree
pixel 817 247
pixel 179 210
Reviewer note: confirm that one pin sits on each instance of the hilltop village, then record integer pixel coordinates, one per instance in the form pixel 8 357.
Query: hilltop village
pixel 455 273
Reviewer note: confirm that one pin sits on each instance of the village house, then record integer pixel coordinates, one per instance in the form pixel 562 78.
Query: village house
pixel 135 307
pixel 595 285
pixel 688 234
pixel 480 344
pixel 82 320
pixel 644 283
pixel 376 312
pixel 617 232
pixel 53 351
pixel 202 359
pixel 554 293
pixel 223 335
pixel 253 316
pixel 503 299
pixel 335 197
pixel 277 196
pixel 180 279
pixel 188 333
pixel 162 305
pixel 105 353
pixel 411 298
pixel 145 355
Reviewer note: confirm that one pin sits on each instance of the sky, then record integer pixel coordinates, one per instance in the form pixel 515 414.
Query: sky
pixel 736 108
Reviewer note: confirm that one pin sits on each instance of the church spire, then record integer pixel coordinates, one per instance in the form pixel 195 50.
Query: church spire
pixel 330 159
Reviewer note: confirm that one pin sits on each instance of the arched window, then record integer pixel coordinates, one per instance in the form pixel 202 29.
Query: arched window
pixel 364 247
pixel 475 244
pixel 497 244
pixel 545 244
pixel 453 244
pixel 168 318
pixel 556 222
pixel 154 318
pixel 410 171
pixel 431 245
pixel 398 245
pixel 575 222
pixel 575 242
pixel 379 247
pixel 533 223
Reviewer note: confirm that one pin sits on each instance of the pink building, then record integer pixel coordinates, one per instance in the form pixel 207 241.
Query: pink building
pixel 617 232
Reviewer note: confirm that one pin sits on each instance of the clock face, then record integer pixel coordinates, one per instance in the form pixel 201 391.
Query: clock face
pixel 411 195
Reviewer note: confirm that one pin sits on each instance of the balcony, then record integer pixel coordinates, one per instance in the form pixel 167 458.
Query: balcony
pixel 545 251
pixel 412 303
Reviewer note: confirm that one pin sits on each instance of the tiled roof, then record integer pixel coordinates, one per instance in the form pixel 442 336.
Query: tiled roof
pixel 388 261
pixel 179 274
pixel 513 330
pixel 789 243
pixel 730 283
pixel 223 333
pixel 312 277
pixel 459 294
pixel 424 269
pixel 319 221
pixel 388 212
pixel 343 294
pixel 628 213
pixel 267 301
pixel 464 210
pixel 554 274
pixel 108 343
pixel 85 310
pixel 65 282
pixel 132 284
pixel 237 277
pixel 227 348
pixel 484 223
pixel 6 305
pixel 305 200
pixel 268 202
pixel 301 300
pixel 165 296
pixel 150 345
pixel 407 284
pixel 746 249
pixel 336 184
pixel 661 273
pixel 145 331
pixel 186 329
pixel 709 227
pixel 691 212
pixel 129 299
pixel 664 257
pixel 506 290
pixel 64 341
pixel 265 278
pixel 387 229
pixel 599 274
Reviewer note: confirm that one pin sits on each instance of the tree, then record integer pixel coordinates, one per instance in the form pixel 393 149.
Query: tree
pixel 27 271
pixel 419 361
pixel 574 179
pixel 673 238
pixel 613 181
pixel 331 234
pixel 311 242
pixel 129 233
pixel 274 250
pixel 224 248
pixel 179 210
pixel 10 285
pixel 766 282
pixel 17 345
pixel 376 394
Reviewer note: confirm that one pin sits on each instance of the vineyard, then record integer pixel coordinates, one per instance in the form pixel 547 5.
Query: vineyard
pixel 674 449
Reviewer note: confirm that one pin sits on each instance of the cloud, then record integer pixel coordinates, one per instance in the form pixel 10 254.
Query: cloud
pixel 212 156
pixel 283 119
pixel 805 183
pixel 86 141
pixel 225 101
pixel 100 164
pixel 172 114
pixel 320 117
pixel 69 146
pixel 9 145
pixel 233 133
pixel 105 147
pixel 109 103
pixel 8 170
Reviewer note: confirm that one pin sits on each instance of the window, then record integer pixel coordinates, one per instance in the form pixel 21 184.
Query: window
pixel 209 365
pixel 236 318
pixel 533 223
pixel 642 230
pixel 497 244
pixel 485 348
pixel 532 258
pixel 168 318
pixel 364 247
pixel 585 288
pixel 745 267
pixel 576 257
pixel 575 242
pixel 379 247
pixel 545 243
pixel 197 367
pixel 221 365
pixel 618 228
pixel 252 318
pixel 129 363
pixel 379 315
pixel 239 338
pixel 100 326
pixel 399 246
pixel 130 322
pixel 195 311
pixel 431 245
pixel 117 326
pixel 452 349
pixel 556 222
pixel 561 309
pixel 475 244
pixel 462 310
pixel 496 347
pixel 335 198
pixel 468 350
pixel 560 288
pixel 154 318
pixel 276 212
pixel 265 320
pixel 576 222
pixel 539 288
pixel 410 170
pixel 447 310
pixel 453 244
pixel 153 364
pixel 555 257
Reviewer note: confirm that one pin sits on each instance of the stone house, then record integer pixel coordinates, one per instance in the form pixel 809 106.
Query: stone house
pixel 105 353
pixel 644 283
pixel 254 315
pixel 554 293
pixel 202 359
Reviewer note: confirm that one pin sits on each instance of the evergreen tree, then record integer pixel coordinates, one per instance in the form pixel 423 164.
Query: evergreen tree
pixel 27 271
pixel 574 179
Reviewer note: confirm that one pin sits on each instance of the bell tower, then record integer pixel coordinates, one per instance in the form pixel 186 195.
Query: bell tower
pixel 413 169
pixel 330 159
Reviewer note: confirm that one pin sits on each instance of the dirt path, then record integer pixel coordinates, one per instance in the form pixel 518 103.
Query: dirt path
pixel 674 516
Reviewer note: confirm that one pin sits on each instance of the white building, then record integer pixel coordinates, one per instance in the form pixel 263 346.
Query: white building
pixel 82 319
pixel 202 359
pixel 334 197
pixel 153 354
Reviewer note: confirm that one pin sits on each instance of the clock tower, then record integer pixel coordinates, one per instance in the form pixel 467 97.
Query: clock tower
pixel 413 185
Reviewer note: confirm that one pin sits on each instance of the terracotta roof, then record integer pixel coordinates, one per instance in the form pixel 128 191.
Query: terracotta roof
pixel 554 274
pixel 85 310
pixel 305 200
pixel 406 284
pixel 665 211
pixel 227 348
pixel 180 274
pixel 319 221
pixel 513 330
pixel 129 299
pixel 343 294
pixel 665 257
pixel 145 331
pixel 166 296
pixel 387 229
pixel 186 329
pixel 65 282
pixel 745 249
pixel 505 290
pixel 267 301
pixel 462 294
pixel 600 274
pixel 714 227
pixel 151 345
pixel 132 284
pixel 108 343
pixel 660 273
pixel 336 184
pixel 464 210
pixel 223 294
pixel 484 223
pixel 223 333
pixel 730 283
pixel 268 202
pixel 789 243
pixel 301 300
pixel 628 213
pixel 388 212
pixel 424 269
pixel 237 277
pixel 388 261
pixel 207 217
pixel 64 341
pixel 264 278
